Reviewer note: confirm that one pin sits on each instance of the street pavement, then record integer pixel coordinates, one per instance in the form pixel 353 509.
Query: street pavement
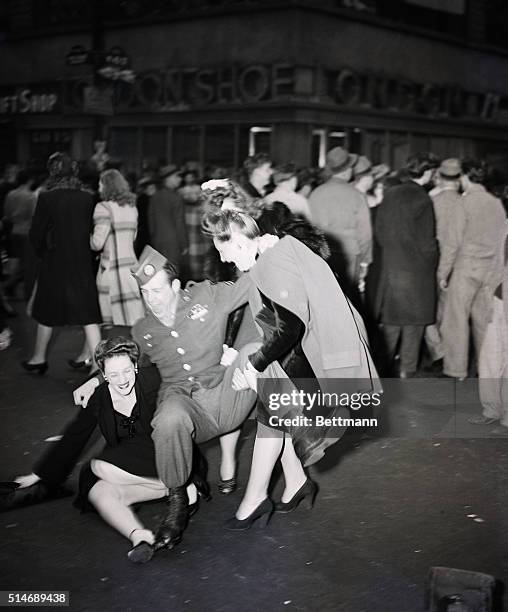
pixel 422 489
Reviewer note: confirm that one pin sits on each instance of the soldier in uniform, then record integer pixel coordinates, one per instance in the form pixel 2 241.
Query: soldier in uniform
pixel 182 334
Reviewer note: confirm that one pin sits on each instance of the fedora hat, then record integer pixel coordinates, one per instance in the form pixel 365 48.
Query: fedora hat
pixel 169 170
pixel 450 168
pixel 363 166
pixel 338 159
pixel 379 171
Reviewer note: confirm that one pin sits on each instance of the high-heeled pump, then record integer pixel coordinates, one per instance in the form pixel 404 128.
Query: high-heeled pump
pixel 77 365
pixel 226 487
pixel 307 491
pixel 266 507
pixel 40 368
pixel 141 553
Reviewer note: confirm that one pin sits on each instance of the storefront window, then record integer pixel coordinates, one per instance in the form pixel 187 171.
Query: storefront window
pixel 337 138
pixel 155 146
pixel 220 146
pixel 318 148
pixel 123 148
pixel 45 142
pixel 260 139
pixel 186 144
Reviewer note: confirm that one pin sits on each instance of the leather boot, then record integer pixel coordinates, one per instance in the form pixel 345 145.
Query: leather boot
pixel 174 523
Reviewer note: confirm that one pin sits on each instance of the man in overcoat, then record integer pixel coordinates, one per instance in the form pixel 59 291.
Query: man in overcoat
pixel 405 231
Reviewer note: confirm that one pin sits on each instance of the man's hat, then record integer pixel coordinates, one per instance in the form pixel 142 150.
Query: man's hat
pixel 379 171
pixel 169 170
pixel 362 167
pixel 450 168
pixel 338 159
pixel 150 262
pixel 145 181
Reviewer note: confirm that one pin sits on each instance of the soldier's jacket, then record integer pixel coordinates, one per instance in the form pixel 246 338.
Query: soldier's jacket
pixel 189 352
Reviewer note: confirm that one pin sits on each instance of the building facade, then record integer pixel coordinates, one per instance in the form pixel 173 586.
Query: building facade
pixel 212 82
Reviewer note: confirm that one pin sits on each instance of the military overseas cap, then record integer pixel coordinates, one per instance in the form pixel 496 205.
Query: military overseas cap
pixel 150 262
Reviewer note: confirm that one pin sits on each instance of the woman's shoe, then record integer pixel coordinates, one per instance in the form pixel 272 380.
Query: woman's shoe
pixel 40 368
pixel 226 487
pixel 77 365
pixel 265 507
pixel 141 553
pixel 193 508
pixel 308 490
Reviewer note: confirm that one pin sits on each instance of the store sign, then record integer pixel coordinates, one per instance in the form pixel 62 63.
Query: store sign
pixel 184 89
pixel 373 91
pixel 26 101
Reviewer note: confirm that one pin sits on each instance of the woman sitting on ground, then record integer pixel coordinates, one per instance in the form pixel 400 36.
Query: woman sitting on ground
pixel 125 472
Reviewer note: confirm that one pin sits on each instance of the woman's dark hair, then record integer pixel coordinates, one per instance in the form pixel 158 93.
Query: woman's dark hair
pixel 221 224
pixel 284 172
pixel 476 170
pixel 227 189
pixel 63 172
pixel 112 347
pixel 276 218
pixel 255 161
pixel 116 188
pixel 60 165
pixel 418 164
pixel 273 218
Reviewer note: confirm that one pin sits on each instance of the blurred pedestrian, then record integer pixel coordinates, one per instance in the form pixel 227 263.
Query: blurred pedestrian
pixel 115 223
pixel 341 211
pixel 405 300
pixel 199 244
pixel 493 358
pixel 258 171
pixel 66 293
pixel 445 199
pixel 146 188
pixel 19 209
pixel 285 180
pixel 166 217
pixel 467 256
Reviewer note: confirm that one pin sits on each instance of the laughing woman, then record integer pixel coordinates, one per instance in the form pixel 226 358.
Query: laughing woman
pixel 311 335
pixel 125 472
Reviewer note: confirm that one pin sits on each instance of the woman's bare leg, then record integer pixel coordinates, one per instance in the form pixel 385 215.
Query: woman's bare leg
pixel 41 344
pixel 115 475
pixel 117 490
pixel 294 474
pixel 93 337
pixel 267 449
pixel 84 353
pixel 228 444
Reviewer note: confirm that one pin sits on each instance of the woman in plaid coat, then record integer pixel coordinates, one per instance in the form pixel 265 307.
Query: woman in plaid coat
pixel 115 224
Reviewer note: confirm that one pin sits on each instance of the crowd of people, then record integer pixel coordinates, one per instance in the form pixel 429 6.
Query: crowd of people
pixel 216 287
